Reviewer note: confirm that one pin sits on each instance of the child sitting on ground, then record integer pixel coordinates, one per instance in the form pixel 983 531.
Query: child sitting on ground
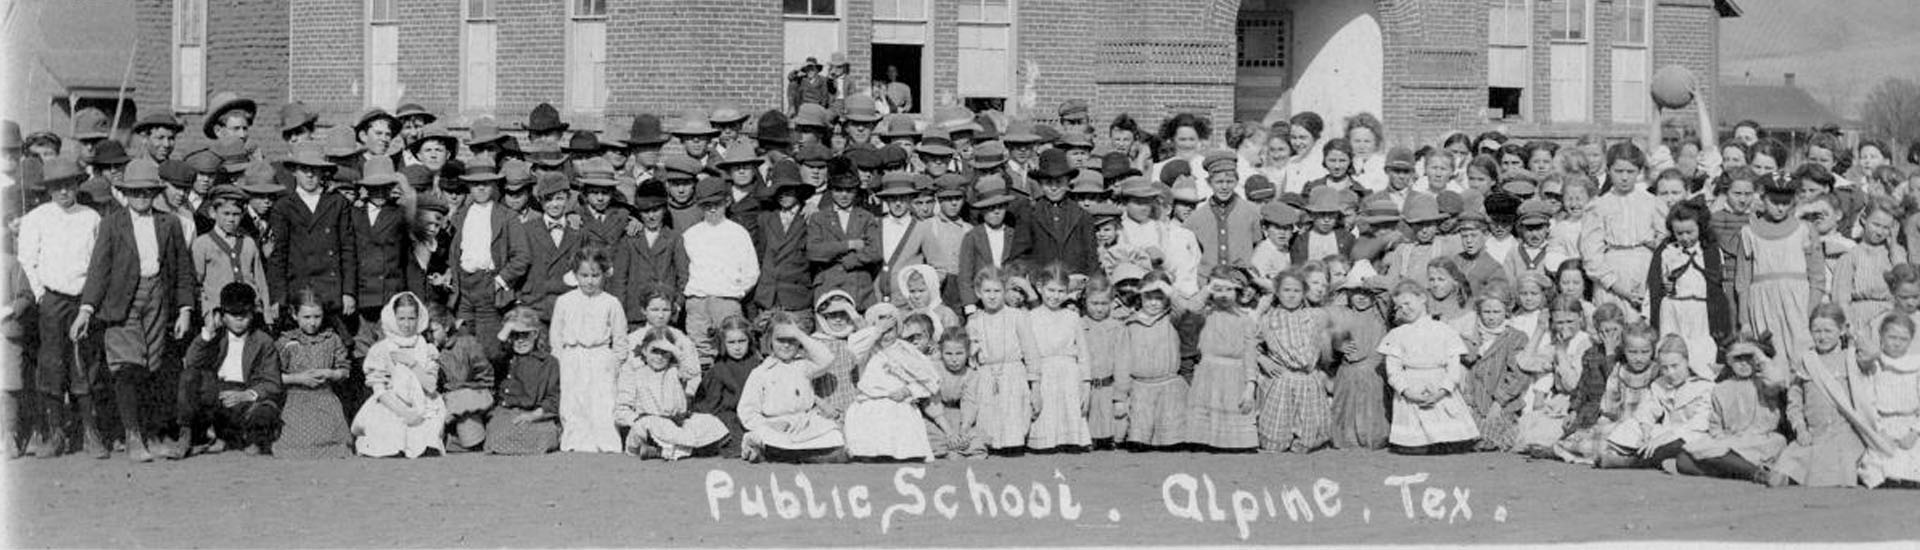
pixel 466 380
pixel 404 416
pixel 652 400
pixel 953 414
pixel 527 420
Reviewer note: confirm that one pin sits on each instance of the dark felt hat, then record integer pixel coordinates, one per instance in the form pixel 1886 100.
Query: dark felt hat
pixel 219 104
pixel 110 152
pixel 646 130
pixel 545 118
pixel 238 299
pixel 1054 164
pixel 773 127
pixel 157 120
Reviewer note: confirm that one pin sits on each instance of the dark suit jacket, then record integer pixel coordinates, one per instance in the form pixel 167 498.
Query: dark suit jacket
pixel 784 283
pixel 1298 248
pixel 502 242
pixel 536 266
pixel 1070 242
pixel 976 253
pixel 114 271
pixel 746 212
pixel 639 268
pixel 386 255
pixel 313 247
pixel 835 266
pixel 261 359
pixel 607 232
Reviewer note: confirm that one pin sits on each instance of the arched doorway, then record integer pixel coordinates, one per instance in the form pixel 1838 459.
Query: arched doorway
pixel 1324 56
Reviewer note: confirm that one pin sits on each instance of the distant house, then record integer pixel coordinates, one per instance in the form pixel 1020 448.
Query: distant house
pixel 1785 111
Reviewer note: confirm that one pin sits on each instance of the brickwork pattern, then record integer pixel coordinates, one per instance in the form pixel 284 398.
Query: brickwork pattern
pixel 430 53
pixel 247 53
pixel 532 57
pixel 326 46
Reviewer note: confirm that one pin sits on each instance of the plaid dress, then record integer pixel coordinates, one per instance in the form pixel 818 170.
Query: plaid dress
pixel 313 423
pixel 1296 411
pixel 1226 366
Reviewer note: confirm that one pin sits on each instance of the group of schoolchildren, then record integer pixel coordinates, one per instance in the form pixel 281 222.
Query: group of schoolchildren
pixel 831 284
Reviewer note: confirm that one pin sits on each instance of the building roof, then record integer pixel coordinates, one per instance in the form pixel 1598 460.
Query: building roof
pixel 82 44
pixel 1774 107
pixel 1727 8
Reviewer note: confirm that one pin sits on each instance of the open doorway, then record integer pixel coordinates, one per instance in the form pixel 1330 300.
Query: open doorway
pixel 896 76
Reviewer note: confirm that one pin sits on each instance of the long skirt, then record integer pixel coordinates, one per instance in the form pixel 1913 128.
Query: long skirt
pixel 1007 412
pixel 1214 417
pixel 1156 412
pixel 313 426
pixel 1101 423
pixel 1060 422
pixel 1778 304
pixel 1445 421
pixel 1360 407
pixel 1294 411
pixel 879 427
pixel 586 400
pixel 383 433
pixel 504 437
pixel 1688 320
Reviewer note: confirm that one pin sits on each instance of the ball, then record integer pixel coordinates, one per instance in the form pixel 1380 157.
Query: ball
pixel 1673 87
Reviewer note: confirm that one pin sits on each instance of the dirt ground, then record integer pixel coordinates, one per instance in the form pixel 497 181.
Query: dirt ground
pixel 231 500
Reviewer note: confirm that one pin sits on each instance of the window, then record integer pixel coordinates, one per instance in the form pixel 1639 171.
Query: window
pixel 1509 58
pixel 478 57
pixel 383 54
pixel 189 56
pixel 1631 65
pixel 986 48
pixel 587 57
pixel 1262 41
pixel 816 8
pixel 906 10
pixel 1567 20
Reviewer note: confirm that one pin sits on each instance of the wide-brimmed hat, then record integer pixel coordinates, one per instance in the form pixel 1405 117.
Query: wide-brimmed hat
pixel 484 131
pixel 989 155
pixel 547 155
pixel 893 157
pixel 516 175
pixel 545 118
pixel 1088 182
pixel 694 124
pixel 727 113
pixel 91 123
pixel 1072 108
pixel 773 127
pixel 812 115
pixel 1186 190
pixel 374 114
pixel 411 110
pixel 990 191
pixel 307 153
pixel 295 114
pixel 1135 187
pixel 710 190
pixel 897 184
pixel 378 171
pixel 736 156
pixel 950 185
pixel 1325 200
pixel 810 63
pixel 935 141
pixel 1380 210
pixel 785 175
pixel 1054 164
pixel 341 143
pixel 596 172
pixel 860 108
pixel 1421 208
pixel 157 120
pixel 682 167
pixel 480 170
pixel 549 183
pixel 59 171
pixel 219 104
pixel 1020 132
pixel 1281 214
pixel 435 131
pixel 582 142
pixel 898 126
pixel 110 152
pixel 141 174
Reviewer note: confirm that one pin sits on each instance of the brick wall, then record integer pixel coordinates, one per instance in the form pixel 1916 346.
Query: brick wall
pixel 532 57
pixel 662 57
pixel 1436 68
pixel 247 52
pixel 1053 42
pixel 326 45
pixel 1687 33
pixel 1148 68
pixel 429 54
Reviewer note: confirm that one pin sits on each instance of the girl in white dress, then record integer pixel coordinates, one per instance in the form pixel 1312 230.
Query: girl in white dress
pixel 884 421
pixel 1425 373
pixel 588 336
pixel 404 416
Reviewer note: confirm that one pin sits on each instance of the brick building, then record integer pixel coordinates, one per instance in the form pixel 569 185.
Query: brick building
pixel 1538 68
pixel 168 54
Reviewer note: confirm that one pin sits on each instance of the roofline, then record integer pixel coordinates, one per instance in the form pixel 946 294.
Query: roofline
pixel 1727 9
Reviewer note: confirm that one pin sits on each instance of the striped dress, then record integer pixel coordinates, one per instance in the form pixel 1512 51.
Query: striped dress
pixel 1227 365
pixel 1003 345
pixel 1296 412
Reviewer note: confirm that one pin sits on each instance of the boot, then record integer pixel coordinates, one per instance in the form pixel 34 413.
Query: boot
pixel 95 445
pixel 53 427
pixel 171 448
pixel 137 446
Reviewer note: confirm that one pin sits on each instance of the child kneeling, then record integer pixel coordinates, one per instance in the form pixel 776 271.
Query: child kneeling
pixel 242 395
pixel 654 386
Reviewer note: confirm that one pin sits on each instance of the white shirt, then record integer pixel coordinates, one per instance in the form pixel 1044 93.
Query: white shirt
pixel 147 241
pixel 721 262
pixel 844 215
pixel 892 231
pixel 996 242
pixel 56 245
pixel 556 229
pixel 373 213
pixel 312 200
pixel 231 367
pixel 476 239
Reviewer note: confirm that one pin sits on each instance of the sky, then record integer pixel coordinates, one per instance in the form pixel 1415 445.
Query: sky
pixel 1838 49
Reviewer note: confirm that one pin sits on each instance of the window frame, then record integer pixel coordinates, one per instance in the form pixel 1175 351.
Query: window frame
pixel 1622 10
pixel 574 14
pixel 838 10
pixel 469 23
pixel 1010 23
pixel 926 12
pixel 368 66
pixel 466 11
pixel 188 103
pixel 1564 8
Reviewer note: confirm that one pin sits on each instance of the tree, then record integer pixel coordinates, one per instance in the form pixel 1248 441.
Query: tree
pixel 1892 111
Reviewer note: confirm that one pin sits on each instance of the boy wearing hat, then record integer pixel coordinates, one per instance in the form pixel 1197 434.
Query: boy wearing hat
pixel 224 254
pixel 780 236
pixel 935 151
pixel 839 244
pixel 1409 259
pixel 1328 236
pixel 649 261
pixel 1074 117
pixel 544 127
pixel 311 240
pixel 728 119
pixel 645 138
pixel 139 289
pixel 479 247
pixel 745 192
pixel 180 179
pixel 297 122
pixel 861 115
pixel 108 165
pixel 384 247
pixel 899 235
pixel 602 223
pixel 814 160
pixel 516 190
pixel 1054 228
pixel 722 265
pixel 158 132
pixel 241 392
pixel 56 241
pixel 231 117
pixel 944 232
pixel 1400 178
pixel 1274 254
pixel 991 242
pixel 1227 226
pixel 680 174
pixel 1536 253
pixel 375 131
pixel 1470 234
pixel 543 248
pixel 696 138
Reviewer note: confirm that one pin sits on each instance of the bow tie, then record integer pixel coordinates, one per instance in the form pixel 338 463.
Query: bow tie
pixel 555 225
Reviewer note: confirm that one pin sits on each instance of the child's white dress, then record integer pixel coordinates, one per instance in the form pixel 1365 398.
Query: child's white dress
pixel 588 335
pixel 879 425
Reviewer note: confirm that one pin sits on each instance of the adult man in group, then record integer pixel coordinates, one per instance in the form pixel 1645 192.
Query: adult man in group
pixel 1056 229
